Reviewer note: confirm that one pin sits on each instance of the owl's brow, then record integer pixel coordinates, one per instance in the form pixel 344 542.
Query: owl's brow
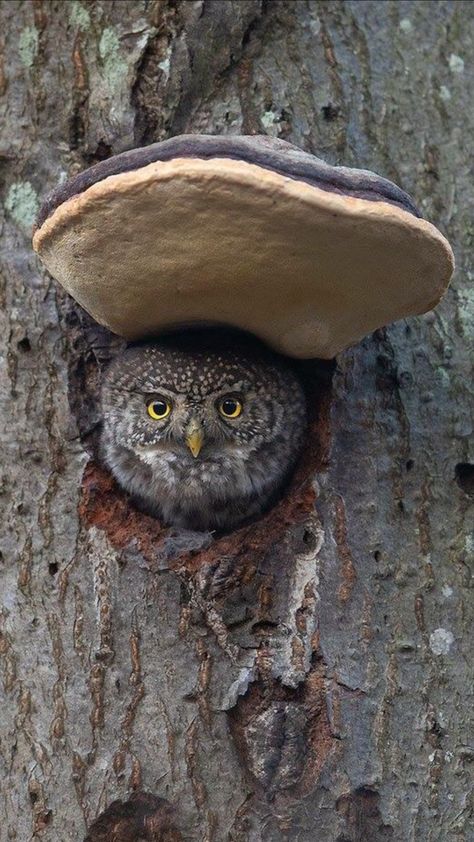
pixel 231 388
pixel 163 387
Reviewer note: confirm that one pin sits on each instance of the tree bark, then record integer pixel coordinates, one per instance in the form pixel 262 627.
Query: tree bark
pixel 308 677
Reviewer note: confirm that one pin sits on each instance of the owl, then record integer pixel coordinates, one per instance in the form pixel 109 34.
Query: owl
pixel 200 430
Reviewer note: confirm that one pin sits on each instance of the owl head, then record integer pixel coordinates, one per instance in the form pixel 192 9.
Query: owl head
pixel 200 430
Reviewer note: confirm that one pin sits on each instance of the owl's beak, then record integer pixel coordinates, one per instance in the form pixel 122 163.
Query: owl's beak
pixel 194 437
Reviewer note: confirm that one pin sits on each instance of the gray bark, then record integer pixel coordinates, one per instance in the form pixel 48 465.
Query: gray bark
pixel 308 677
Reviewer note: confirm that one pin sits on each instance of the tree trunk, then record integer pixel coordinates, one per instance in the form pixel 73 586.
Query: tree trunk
pixel 306 678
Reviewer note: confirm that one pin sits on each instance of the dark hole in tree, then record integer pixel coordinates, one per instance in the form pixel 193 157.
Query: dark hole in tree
pixel 24 345
pixel 409 465
pixel 107 507
pixel 53 568
pixel 330 111
pixel 464 473
pixel 309 539
pixel 377 555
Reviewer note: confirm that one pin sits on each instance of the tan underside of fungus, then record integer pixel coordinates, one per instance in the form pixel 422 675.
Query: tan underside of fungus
pixel 224 241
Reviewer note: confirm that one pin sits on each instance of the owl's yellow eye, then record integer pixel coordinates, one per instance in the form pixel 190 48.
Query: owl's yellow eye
pixel 230 407
pixel 158 408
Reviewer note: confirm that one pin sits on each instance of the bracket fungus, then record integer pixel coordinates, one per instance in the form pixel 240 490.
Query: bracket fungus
pixel 243 231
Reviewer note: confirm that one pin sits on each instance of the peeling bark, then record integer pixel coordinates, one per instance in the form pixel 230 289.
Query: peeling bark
pixel 307 677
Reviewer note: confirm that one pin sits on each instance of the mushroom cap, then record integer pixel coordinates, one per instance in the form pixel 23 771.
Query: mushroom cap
pixel 249 232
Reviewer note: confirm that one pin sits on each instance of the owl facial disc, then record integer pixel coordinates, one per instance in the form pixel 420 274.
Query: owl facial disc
pixel 226 426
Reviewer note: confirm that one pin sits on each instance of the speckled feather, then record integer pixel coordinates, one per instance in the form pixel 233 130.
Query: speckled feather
pixel 243 462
